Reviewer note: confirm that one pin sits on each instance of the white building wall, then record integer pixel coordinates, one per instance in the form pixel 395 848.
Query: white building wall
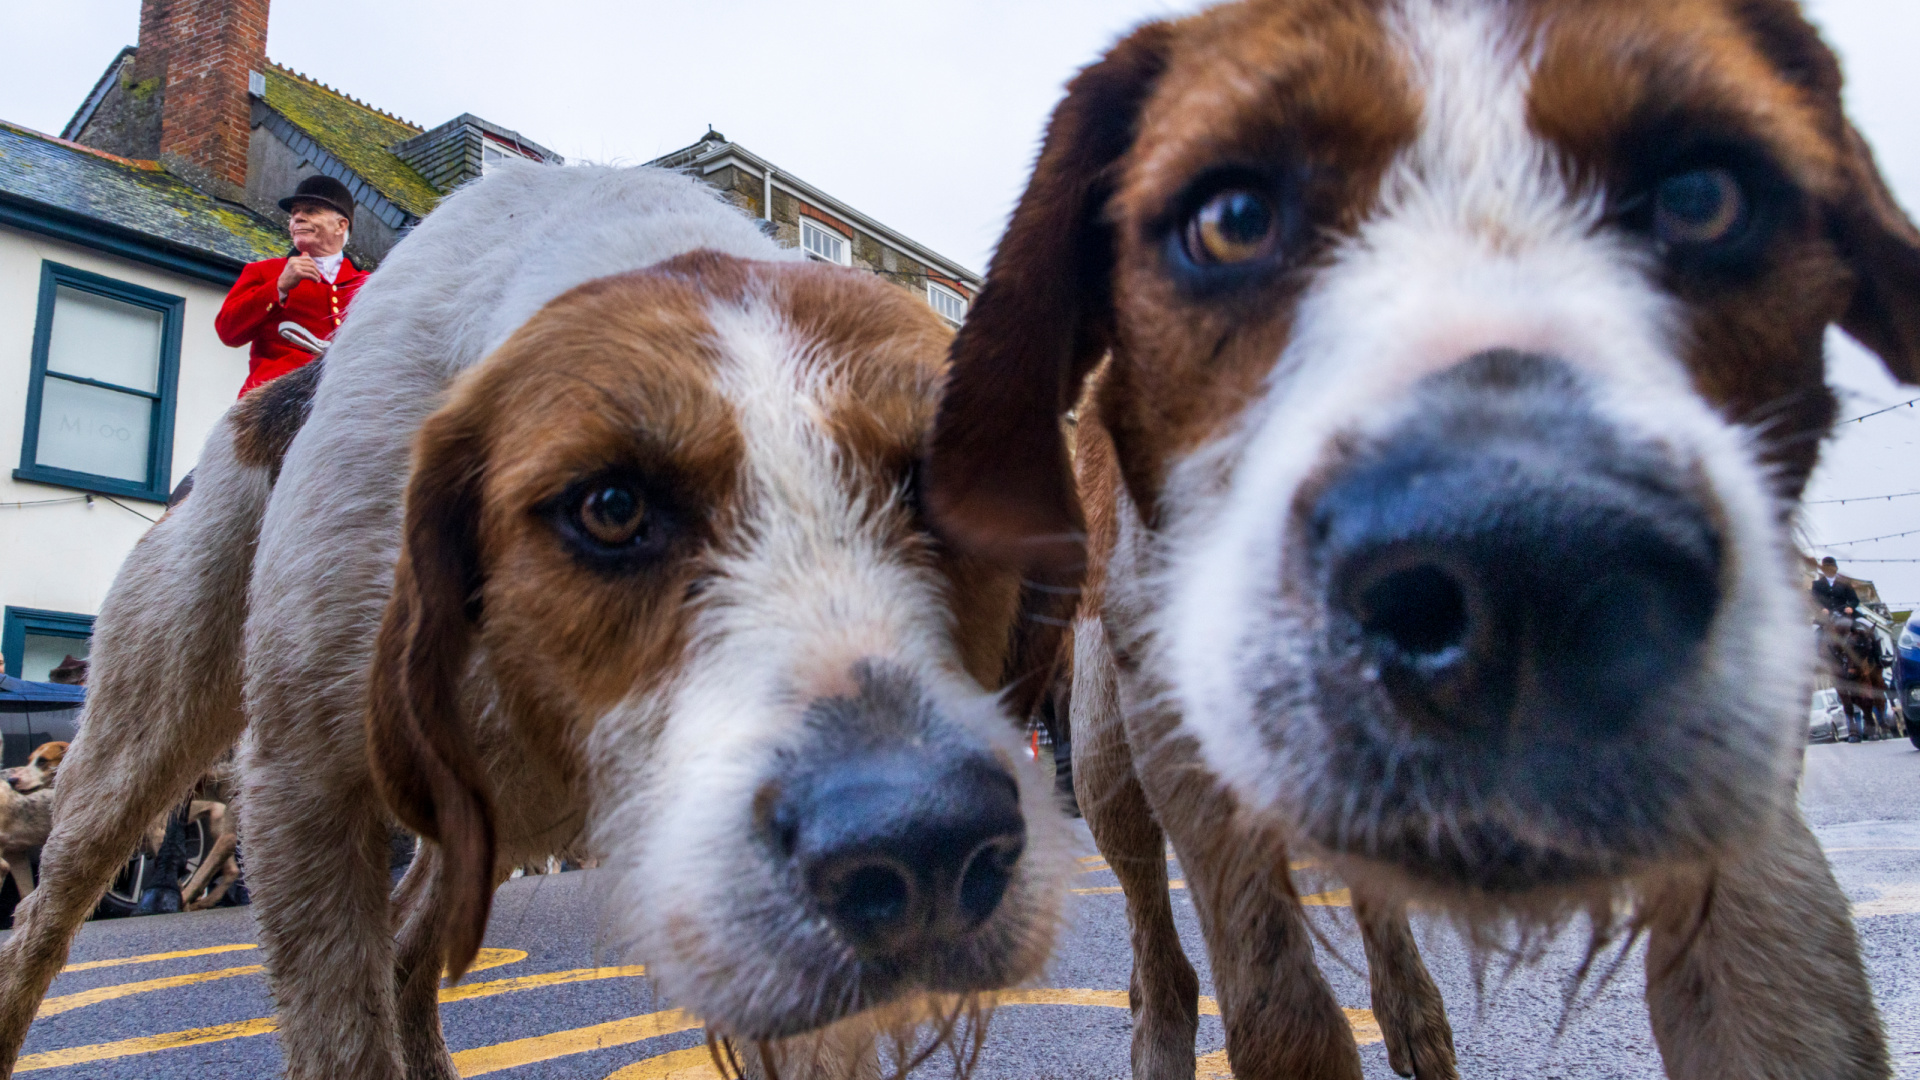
pixel 63 558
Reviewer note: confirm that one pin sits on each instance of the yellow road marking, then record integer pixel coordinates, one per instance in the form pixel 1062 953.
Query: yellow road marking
pixel 487 958
pixel 531 982
pixel 509 1055
pixel 148 1044
pixel 1365 1029
pixel 493 958
pixel 1215 1066
pixel 1893 900
pixel 1110 999
pixel 1336 898
pixel 693 1063
pixel 54 1006
pixel 152 957
pixel 1093 864
pixel 1109 890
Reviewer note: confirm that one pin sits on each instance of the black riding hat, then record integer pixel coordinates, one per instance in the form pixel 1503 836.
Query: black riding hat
pixel 324 190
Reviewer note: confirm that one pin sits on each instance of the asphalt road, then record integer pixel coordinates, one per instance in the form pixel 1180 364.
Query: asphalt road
pixel 181 995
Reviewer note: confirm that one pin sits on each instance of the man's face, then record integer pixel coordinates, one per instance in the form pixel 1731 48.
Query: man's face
pixel 317 229
pixel 1830 568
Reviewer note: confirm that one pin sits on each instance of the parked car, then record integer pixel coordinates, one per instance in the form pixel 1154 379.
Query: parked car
pixel 1826 720
pixel 32 713
pixel 1906 676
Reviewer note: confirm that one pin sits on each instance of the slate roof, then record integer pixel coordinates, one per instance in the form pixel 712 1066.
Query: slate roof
pixel 140 196
pixel 358 134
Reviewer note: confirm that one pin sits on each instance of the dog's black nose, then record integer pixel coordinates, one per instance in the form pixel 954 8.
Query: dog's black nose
pixel 1505 564
pixel 901 848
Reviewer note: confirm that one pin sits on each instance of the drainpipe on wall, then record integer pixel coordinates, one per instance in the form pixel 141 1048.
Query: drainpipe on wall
pixel 766 193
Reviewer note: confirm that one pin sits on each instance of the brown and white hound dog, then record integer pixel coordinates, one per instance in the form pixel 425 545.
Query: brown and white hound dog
pixel 600 531
pixel 1463 369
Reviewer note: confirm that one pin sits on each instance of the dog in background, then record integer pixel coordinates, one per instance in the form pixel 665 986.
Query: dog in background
pixel 41 769
pixel 651 579
pixel 26 813
pixel 1463 374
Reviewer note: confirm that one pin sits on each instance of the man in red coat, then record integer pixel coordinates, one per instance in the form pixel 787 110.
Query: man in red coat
pixel 311 287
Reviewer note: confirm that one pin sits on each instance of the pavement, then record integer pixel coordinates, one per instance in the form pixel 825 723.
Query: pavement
pixel 182 995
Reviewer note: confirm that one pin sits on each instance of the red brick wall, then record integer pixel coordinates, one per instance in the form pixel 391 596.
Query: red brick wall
pixel 821 216
pixel 203 50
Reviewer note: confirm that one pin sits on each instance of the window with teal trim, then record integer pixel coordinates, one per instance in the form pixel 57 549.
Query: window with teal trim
pixel 34 642
pixel 101 395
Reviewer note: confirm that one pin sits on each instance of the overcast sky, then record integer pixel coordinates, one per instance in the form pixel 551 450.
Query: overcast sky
pixel 923 115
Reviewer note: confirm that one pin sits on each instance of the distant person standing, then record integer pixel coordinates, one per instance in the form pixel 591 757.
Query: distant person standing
pixel 311 287
pixel 1832 591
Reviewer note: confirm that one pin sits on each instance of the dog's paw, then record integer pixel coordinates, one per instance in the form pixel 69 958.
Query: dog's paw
pixel 1421 1049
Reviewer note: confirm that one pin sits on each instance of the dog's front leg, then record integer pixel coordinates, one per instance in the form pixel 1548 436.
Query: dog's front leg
pixel 418 962
pixel 1282 1020
pixel 1411 1013
pixel 21 872
pixel 162 704
pixel 1754 973
pixel 1164 992
pixel 215 861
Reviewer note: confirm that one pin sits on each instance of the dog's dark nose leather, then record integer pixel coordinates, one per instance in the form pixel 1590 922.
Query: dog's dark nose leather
pixel 1505 561
pixel 901 841
pixel 899 849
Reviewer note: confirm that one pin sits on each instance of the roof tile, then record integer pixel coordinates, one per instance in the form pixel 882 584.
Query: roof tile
pixel 358 134
pixel 137 195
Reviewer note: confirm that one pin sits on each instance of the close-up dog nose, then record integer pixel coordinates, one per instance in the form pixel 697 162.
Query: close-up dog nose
pixel 901 848
pixel 1506 568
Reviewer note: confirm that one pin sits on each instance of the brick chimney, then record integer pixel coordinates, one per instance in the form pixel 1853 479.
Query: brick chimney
pixel 195 57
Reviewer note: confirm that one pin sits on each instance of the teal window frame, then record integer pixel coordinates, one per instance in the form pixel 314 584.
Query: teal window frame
pixel 19 622
pixel 165 400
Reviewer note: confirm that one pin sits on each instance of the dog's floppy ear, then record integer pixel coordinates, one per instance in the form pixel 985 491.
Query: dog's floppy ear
pixel 1883 248
pixel 997 477
pixel 421 749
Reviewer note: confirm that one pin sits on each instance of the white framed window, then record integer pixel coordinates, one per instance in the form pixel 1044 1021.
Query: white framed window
pixel 820 242
pixel 493 152
pixel 950 304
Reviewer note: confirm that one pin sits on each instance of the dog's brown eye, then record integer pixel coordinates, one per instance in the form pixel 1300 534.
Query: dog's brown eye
pixel 1706 206
pixel 613 514
pixel 1234 226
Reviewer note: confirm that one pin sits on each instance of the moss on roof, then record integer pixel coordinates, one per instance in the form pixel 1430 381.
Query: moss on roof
pixel 357 134
pixel 136 195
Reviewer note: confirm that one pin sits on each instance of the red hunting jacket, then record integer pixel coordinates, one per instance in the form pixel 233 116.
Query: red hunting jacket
pixel 253 313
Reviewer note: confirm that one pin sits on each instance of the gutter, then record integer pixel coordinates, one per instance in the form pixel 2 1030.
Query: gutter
pixel 820 198
pixel 118 240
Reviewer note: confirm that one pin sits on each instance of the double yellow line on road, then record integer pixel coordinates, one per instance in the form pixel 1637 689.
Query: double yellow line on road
pixel 688 1064
pixel 695 1063
pixel 147 1044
